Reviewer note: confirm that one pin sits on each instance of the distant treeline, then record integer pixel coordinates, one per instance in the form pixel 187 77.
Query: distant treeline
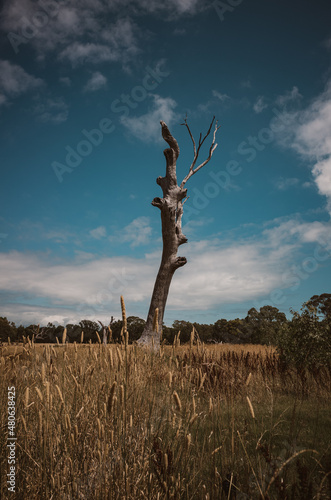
pixel 258 327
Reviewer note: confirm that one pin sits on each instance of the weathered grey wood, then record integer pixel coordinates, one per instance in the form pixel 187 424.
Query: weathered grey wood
pixel 171 207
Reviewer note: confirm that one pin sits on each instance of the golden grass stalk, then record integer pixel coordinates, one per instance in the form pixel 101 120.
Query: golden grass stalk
pixel 67 421
pixel 177 400
pixel 192 419
pixel 119 355
pixel 82 337
pixel 125 326
pixel 249 378
pixel 40 421
pixel 166 462
pixel 24 423
pixel 251 409
pixel 60 393
pixel 43 373
pixel 98 337
pixel 26 397
pixel 121 394
pixel 47 392
pixel 110 336
pixel 64 336
pixel 38 391
pixel 99 428
pixel 111 397
pixel 216 450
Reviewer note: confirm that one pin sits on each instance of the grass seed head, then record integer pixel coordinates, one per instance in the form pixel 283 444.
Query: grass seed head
pixel 251 409
pixel 177 400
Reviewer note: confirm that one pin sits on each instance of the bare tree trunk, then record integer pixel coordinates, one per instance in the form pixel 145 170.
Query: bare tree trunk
pixel 171 207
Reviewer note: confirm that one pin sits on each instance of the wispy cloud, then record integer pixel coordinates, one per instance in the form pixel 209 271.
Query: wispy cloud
pixel 54 110
pixel 81 31
pixel 144 127
pixel 14 81
pixel 220 96
pixel 65 80
pixel 291 96
pixel 246 84
pixel 96 82
pixel 98 232
pixel 284 183
pixel 95 53
pixel 260 104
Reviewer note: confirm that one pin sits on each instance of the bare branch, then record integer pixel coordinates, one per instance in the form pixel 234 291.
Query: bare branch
pixel 212 148
pixel 189 131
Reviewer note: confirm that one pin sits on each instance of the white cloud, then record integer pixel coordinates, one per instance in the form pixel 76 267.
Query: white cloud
pixel 53 110
pixel 146 127
pixel 246 84
pixel 295 231
pixel 285 183
pixel 307 131
pixel 137 233
pixel 65 80
pixel 94 30
pixel 14 81
pixel 79 53
pixel 289 97
pixel 215 274
pixel 96 82
pixel 114 42
pixel 179 31
pixel 98 232
pixel 221 97
pixel 260 105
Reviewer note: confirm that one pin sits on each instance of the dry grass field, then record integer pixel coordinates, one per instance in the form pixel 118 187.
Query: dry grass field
pixel 191 422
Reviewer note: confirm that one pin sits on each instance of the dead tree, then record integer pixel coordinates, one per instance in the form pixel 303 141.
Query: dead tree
pixel 171 207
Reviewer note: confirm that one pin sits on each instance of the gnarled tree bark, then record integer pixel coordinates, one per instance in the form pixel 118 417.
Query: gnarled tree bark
pixel 171 207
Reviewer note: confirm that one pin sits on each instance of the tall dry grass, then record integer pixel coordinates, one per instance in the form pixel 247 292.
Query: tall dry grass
pixel 193 422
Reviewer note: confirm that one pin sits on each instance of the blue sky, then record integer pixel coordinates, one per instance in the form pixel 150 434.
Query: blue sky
pixel 83 86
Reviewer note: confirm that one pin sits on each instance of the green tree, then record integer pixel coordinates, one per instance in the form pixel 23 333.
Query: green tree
pixel 7 330
pixel 135 327
pixel 220 329
pixel 305 341
pixel 31 331
pixel 322 304
pixel 264 326
pixel 185 329
pixel 74 332
pixel 89 328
